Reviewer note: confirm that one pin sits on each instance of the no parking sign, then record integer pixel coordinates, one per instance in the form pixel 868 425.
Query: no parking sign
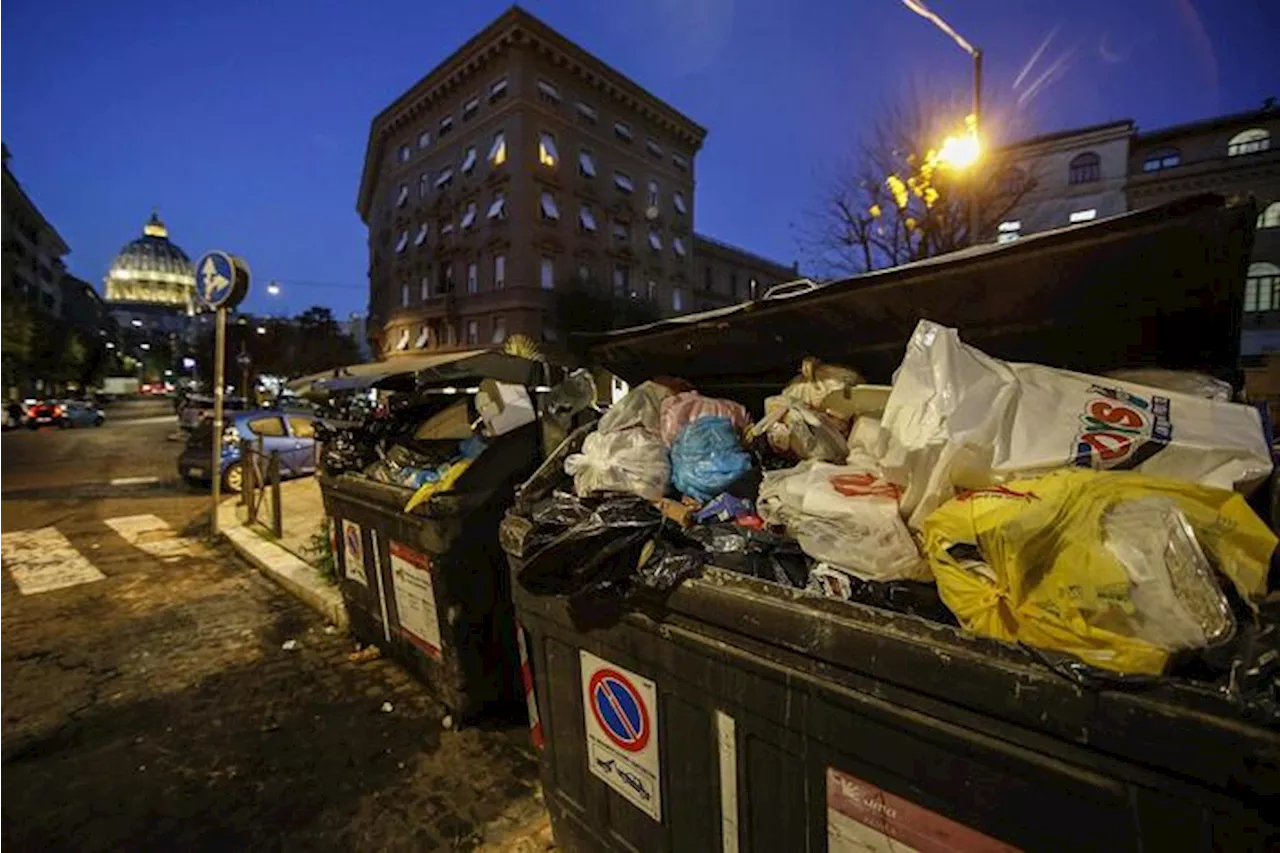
pixel 620 710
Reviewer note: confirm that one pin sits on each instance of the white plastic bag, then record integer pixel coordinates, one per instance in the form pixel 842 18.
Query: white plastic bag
pixel 642 406
pixel 798 430
pixel 631 460
pixel 845 515
pixel 959 418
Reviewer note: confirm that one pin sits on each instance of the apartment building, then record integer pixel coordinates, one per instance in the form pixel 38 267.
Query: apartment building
pixel 518 165
pixel 33 250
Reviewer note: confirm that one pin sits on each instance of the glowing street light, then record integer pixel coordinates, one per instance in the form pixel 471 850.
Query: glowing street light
pixel 960 151
pixel 262 330
pixel 273 288
pixel 136 323
pixel 145 346
pixel 110 345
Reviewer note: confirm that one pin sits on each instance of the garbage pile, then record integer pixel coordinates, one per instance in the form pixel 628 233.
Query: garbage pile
pixel 1094 520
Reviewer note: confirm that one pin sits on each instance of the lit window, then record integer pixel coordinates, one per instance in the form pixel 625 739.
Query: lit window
pixel 548 93
pixel 473 278
pixel 680 162
pixel 469 160
pixel 621 232
pixel 403 195
pixel 651 290
pixel 424 184
pixel 497 89
pixel 424 139
pixel 469 218
pixel 547 274
pixel 754 286
pixel 421 236
pixel 677 245
pixel 1270 217
pixel 677 201
pixel 403 341
pixel 548 207
pixel 547 153
pixel 622 130
pixel 677 299
pixel 451 334
pixel 587 113
pixel 470 108
pixel 499 330
pixel 446 125
pixel 499 272
pixel 421 342
pixel 424 287
pixel 1084 168
pixel 498 209
pixel 498 150
pixel 404 295
pixel 404 153
pixel 651 198
pixel 1262 287
pixel 473 332
pixel 402 241
pixel 621 280
pixel 655 241
pixel 444 179
pixel 586 164
pixel 446 278
pixel 623 182
pixel 1084 215
pixel 1008 231
pixel 446 227
pixel 586 219
pixel 1165 158
pixel 1249 142
pixel 654 149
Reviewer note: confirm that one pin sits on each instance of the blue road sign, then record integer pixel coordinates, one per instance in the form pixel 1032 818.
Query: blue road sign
pixel 215 279
pixel 619 710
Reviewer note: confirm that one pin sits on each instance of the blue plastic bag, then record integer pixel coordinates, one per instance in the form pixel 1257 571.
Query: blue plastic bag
pixel 707 457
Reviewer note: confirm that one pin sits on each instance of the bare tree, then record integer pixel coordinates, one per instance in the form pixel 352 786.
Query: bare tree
pixel 892 202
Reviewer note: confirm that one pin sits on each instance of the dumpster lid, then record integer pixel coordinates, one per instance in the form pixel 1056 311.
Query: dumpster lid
pixel 1156 287
pixel 404 371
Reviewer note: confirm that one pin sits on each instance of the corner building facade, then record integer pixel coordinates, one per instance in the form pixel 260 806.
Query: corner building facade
pixel 517 165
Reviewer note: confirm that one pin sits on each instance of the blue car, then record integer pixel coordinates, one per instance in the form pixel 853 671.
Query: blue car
pixel 292 436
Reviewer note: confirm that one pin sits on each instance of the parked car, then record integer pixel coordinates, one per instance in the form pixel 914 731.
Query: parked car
pixel 290 435
pixel 15 415
pixel 45 413
pixel 82 413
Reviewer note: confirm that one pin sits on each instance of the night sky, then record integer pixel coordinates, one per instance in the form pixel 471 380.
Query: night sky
pixel 244 121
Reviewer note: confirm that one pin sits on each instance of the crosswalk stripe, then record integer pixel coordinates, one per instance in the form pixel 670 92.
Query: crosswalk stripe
pixel 43 559
pixel 153 534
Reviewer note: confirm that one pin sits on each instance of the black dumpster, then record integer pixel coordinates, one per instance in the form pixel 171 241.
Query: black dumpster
pixel 737 714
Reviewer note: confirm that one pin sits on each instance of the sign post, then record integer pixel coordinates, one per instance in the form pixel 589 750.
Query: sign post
pixel 222 280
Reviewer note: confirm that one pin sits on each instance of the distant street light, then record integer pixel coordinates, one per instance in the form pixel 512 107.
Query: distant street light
pixel 273 288
pixel 145 346
pixel 110 345
pixel 262 330
pixel 136 323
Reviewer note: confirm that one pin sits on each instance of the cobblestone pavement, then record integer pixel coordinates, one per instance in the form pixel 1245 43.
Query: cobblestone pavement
pixel 158 708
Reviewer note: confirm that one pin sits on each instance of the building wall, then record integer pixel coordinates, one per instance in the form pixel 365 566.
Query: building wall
pixel 33 250
pixel 725 274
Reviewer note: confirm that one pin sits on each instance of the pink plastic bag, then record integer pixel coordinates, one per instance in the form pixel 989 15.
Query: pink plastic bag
pixel 680 409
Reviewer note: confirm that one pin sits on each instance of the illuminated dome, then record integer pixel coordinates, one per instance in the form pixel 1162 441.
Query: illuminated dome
pixel 152 271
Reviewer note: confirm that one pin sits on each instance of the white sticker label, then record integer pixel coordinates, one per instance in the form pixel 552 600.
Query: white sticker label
pixel 415 594
pixel 620 710
pixel 353 553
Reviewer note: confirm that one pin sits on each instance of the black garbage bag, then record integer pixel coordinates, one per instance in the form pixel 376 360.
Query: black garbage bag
pixel 758 553
pixel 641 577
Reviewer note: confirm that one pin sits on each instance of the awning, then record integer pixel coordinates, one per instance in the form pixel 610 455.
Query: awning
pixel 404 372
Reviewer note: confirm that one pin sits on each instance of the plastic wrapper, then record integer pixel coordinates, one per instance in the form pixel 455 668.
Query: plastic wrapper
pixel 1109 567
pixel 758 553
pixel 640 407
pixel 957 418
pixel 1182 381
pixel 915 598
pixel 401 466
pixel 706 457
pixel 688 406
pixel 856 528
pixel 631 460
pixel 817 383
pixel 796 430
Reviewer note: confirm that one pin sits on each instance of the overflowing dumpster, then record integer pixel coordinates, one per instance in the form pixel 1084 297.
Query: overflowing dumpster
pixel 716 666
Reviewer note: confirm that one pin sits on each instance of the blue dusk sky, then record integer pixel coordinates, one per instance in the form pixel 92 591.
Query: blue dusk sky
pixel 245 121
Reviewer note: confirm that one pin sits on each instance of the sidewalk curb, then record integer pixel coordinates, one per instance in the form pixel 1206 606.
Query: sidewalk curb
pixel 295 576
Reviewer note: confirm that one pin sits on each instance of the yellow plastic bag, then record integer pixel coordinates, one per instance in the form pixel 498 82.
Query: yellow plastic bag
pixel 1108 566
pixel 444 484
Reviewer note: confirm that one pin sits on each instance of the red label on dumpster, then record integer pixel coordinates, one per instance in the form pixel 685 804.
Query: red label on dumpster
pixel 415 596
pixel 863 818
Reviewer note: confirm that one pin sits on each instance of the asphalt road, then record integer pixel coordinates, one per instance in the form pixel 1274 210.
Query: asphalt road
pixel 158 694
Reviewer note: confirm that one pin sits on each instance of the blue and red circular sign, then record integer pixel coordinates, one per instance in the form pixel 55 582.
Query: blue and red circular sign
pixel 619 709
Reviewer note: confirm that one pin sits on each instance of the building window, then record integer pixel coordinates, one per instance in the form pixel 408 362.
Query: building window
pixel 446 279
pixel 451 334
pixel 547 274
pixel 1084 168
pixel 499 330
pixel 404 153
pixel 424 184
pixel 445 179
pixel 469 217
pixel 1165 158
pixel 651 290
pixel 621 280
pixel 586 164
pixel 469 160
pixel 404 296
pixel 1249 142
pixel 498 209
pixel 499 272
pixel 1008 231
pixel 733 284
pixel 1083 215
pixel 446 125
pixel 470 108
pixel 677 201
pixel 497 90
pixel 424 288
pixel 655 241
pixel 584 272
pixel 423 335
pixel 446 227
pixel 402 241
pixel 1262 288
pixel 586 219
pixel 473 278
pixel 651 198
pixel 548 93
pixel 473 332
pixel 753 287
pixel 403 195
pixel 677 299
pixel 621 232
pixel 654 149
pixel 1270 217
pixel 622 181
pixel 547 153
pixel 677 246
pixel 498 150
pixel 424 139
pixel 622 130
pixel 548 207
pixel 586 113
pixel 421 235
pixel 707 281
pixel 680 162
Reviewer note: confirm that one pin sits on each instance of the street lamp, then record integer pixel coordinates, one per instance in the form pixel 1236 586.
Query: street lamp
pixel 136 323
pixel 262 330
pixel 145 346
pixel 273 288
